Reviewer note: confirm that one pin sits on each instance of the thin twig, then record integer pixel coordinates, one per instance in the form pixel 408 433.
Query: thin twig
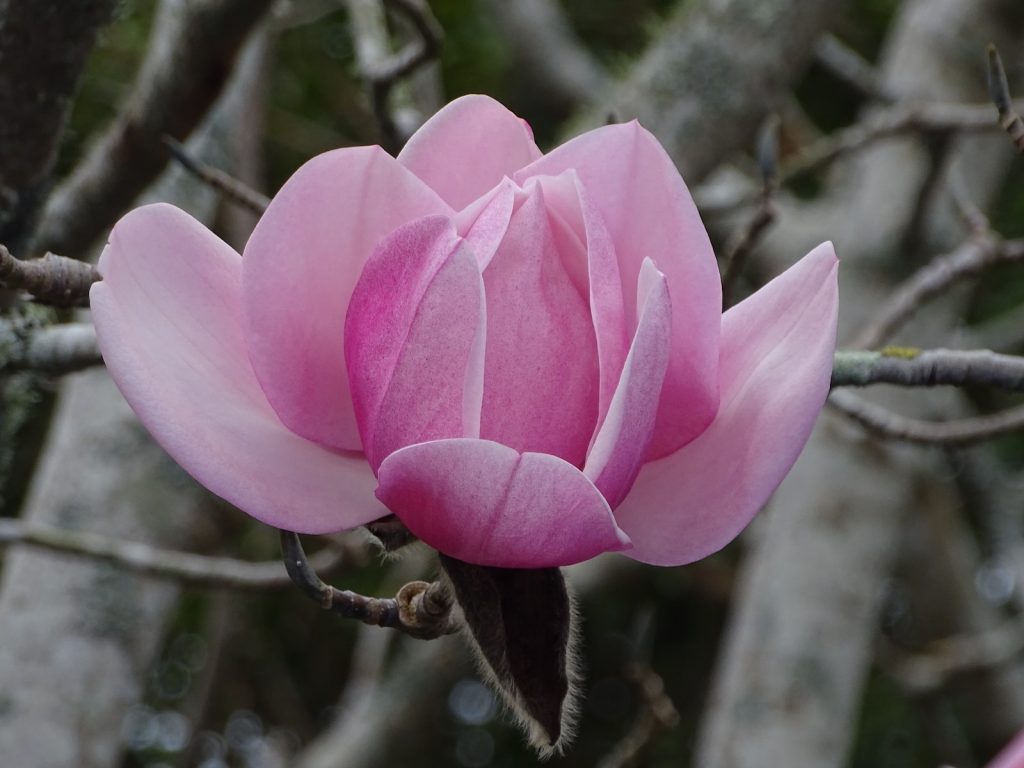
pixel 999 91
pixel 420 609
pixel 54 280
pixel 852 68
pixel 911 367
pixel 885 123
pixel 740 248
pixel 888 424
pixel 234 190
pixel 184 567
pixel 975 255
pixel 930 670
pixel 658 713
pixel 383 72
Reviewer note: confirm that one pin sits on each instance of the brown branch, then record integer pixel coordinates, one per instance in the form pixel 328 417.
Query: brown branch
pixel 420 610
pixel 975 255
pixel 191 53
pixel 888 424
pixel 183 567
pixel 232 189
pixel 55 280
pixel 910 367
pixel 999 91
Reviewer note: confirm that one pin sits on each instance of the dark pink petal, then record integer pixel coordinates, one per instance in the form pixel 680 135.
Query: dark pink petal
pixel 300 267
pixel 467 148
pixel 168 317
pixel 777 349
pixel 485 503
pixel 623 440
pixel 649 213
pixel 414 340
pixel 540 371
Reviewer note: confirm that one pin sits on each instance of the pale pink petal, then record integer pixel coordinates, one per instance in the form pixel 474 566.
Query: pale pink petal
pixel 467 148
pixel 484 223
pixel 300 267
pixel 777 349
pixel 642 200
pixel 485 503
pixel 414 339
pixel 168 319
pixel 623 440
pixel 540 370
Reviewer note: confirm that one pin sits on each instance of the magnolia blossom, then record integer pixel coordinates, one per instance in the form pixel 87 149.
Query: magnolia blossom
pixel 522 356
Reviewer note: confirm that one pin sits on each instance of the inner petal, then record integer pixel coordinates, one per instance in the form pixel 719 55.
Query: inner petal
pixel 540 368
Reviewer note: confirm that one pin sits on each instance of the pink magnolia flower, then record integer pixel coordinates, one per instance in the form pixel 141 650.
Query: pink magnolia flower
pixel 522 356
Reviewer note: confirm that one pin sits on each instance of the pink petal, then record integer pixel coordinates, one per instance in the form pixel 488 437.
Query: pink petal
pixel 1012 755
pixel 622 443
pixel 300 267
pixel 485 503
pixel 484 223
pixel 414 340
pixel 777 349
pixel 589 258
pixel 467 148
pixel 540 370
pixel 168 317
pixel 649 213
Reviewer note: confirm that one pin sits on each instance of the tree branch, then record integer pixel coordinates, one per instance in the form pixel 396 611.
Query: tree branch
pixel 928 368
pixel 183 567
pixel 192 50
pixel 55 280
pixel 420 610
pixel 382 69
pixel 50 350
pixel 888 424
pixel 974 256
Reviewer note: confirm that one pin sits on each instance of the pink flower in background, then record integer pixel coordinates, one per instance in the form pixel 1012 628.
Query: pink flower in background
pixel 523 356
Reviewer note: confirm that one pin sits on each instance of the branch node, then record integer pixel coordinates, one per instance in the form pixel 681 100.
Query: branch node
pixel 52 279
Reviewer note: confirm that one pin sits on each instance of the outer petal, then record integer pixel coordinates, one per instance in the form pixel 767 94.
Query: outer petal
pixel 414 340
pixel 623 440
pixel 649 212
pixel 777 349
pixel 168 318
pixel 485 503
pixel 467 148
pixel 541 372
pixel 300 267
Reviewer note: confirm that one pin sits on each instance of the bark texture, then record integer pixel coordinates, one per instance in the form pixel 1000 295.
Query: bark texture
pixel 43 48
